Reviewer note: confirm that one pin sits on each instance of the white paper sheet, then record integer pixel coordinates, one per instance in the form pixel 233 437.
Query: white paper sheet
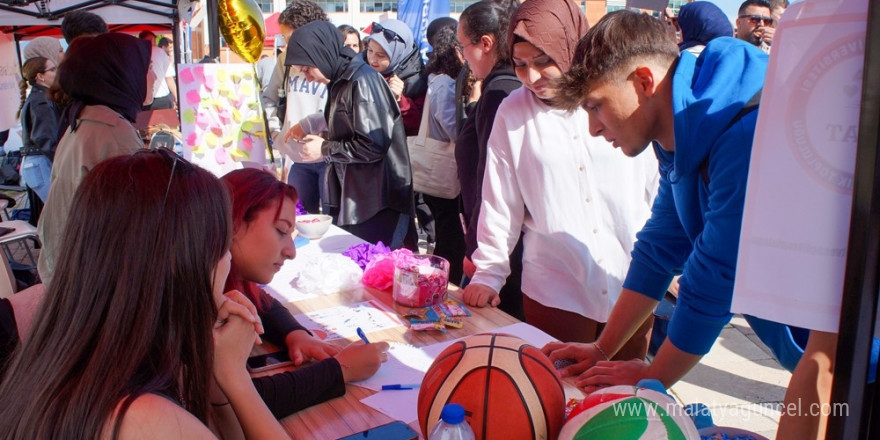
pixel 399 405
pixel 405 365
pixel 797 210
pixel 409 364
pixel 342 322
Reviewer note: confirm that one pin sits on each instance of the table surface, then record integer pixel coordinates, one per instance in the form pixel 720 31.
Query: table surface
pixel 346 415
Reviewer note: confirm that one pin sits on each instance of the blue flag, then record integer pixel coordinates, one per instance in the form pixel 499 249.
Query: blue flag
pixel 417 14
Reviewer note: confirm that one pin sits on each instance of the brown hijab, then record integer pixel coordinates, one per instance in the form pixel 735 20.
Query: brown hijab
pixel 553 26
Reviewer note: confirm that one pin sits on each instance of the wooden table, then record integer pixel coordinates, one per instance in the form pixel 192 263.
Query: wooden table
pixel 346 415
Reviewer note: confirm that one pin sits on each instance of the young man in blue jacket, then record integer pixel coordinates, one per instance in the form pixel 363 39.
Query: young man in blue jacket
pixel 638 91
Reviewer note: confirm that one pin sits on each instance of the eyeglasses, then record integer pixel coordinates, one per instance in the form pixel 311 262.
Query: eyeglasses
pixel 758 20
pixel 460 46
pixel 51 69
pixel 174 159
pixel 388 33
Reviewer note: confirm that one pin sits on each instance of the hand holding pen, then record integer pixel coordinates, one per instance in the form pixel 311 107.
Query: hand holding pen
pixel 361 360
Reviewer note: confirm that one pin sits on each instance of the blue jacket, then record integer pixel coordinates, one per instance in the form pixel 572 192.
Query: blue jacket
pixel 694 228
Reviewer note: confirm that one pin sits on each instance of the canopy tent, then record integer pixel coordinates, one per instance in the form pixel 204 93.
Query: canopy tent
pixel 22 13
pixel 43 17
pixel 31 32
pixel 272 28
pixel 26 19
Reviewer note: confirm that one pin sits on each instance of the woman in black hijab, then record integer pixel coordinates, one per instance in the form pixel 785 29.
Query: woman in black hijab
pixel 369 181
pixel 108 79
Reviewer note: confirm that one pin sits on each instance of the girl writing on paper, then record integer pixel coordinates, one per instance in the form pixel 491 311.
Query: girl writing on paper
pixel 578 201
pixel 263 221
pixel 135 338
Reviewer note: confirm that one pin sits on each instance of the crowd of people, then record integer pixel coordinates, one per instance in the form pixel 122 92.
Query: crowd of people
pixel 563 220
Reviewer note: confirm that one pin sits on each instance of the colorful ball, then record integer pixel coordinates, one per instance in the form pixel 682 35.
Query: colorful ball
pixel 507 387
pixel 629 413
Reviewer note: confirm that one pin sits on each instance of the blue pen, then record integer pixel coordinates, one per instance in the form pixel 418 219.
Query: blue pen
pixel 401 386
pixel 363 336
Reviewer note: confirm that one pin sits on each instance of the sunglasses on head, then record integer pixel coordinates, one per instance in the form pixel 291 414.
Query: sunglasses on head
pixel 174 160
pixel 388 33
pixel 759 20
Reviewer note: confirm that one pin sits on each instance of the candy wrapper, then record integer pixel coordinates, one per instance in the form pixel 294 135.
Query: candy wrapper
pixel 326 274
pixel 422 326
pixel 379 271
pixel 364 252
pixel 300 210
pixel 447 309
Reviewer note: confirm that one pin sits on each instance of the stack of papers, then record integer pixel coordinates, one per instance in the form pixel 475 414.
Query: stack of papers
pixel 407 365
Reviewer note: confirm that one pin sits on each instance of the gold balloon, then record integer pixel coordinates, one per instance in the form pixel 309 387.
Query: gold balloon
pixel 243 28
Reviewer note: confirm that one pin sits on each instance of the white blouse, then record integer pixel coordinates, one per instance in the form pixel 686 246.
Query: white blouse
pixel 578 200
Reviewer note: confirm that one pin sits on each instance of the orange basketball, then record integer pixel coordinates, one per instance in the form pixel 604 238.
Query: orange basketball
pixel 507 387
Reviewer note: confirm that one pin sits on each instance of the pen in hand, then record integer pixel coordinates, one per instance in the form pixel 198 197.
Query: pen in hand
pixel 362 336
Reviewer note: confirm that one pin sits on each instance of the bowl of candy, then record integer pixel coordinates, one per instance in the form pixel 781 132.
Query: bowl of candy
pixel 420 280
pixel 313 226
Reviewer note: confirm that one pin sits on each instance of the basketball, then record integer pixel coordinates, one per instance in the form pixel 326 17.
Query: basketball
pixel 508 388
pixel 628 412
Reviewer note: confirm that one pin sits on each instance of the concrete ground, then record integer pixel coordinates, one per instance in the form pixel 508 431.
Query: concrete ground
pixel 739 381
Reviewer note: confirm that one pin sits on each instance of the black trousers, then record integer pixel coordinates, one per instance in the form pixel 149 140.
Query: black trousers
pixel 448 233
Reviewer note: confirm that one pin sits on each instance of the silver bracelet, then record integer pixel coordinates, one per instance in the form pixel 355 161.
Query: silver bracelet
pixel 598 347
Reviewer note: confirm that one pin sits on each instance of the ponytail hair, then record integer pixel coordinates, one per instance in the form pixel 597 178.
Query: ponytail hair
pixel 29 71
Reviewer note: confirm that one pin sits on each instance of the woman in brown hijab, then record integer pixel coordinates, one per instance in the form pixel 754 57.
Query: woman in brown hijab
pixel 585 201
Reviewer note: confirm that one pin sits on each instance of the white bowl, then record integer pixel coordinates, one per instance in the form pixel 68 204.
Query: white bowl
pixel 313 226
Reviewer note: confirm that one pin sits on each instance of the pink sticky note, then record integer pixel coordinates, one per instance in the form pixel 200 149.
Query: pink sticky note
pixel 199 73
pixel 225 116
pixel 192 97
pixel 247 144
pixel 203 120
pixel 186 76
pixel 192 140
pixel 221 156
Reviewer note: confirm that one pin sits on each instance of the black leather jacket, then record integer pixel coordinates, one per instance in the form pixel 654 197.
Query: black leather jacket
pixel 366 147
pixel 412 71
pixel 39 124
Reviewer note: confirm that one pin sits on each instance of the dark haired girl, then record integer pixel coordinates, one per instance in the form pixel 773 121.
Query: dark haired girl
pixel 263 221
pixel 482 34
pixel 135 338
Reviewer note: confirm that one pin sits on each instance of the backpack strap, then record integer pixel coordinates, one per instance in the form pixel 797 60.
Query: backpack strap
pixel 749 106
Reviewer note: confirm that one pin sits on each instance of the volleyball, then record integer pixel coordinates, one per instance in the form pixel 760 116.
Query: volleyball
pixel 626 412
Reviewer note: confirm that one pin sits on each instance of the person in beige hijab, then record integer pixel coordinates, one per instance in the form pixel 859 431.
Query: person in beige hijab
pixel 46 47
pixel 578 201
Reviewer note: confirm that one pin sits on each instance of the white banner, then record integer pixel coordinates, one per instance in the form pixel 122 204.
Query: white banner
pixel 9 77
pixel 797 211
